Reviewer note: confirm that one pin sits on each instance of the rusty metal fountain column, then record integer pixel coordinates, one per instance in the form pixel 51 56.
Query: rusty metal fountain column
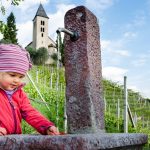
pixel 85 106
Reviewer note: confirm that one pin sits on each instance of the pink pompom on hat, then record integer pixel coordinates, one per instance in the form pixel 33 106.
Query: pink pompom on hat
pixel 13 58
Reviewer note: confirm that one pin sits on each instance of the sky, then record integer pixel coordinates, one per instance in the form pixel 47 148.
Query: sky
pixel 124 34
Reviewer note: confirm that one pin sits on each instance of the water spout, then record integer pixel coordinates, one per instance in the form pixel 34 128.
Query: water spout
pixel 74 36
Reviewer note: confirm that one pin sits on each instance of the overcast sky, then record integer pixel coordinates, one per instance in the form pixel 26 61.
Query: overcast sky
pixel 125 34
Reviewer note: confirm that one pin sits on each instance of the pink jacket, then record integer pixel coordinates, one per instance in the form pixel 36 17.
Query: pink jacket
pixel 13 109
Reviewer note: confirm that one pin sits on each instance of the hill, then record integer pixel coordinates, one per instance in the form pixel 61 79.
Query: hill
pixel 50 82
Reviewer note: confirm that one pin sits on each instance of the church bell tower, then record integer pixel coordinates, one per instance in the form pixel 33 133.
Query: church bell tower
pixel 40 29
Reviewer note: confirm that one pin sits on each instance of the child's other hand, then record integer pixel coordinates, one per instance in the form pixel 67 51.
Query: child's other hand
pixel 52 131
pixel 3 131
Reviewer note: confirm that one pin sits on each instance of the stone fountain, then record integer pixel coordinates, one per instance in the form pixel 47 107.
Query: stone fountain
pixel 84 98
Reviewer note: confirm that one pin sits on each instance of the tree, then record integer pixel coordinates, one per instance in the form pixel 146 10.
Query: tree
pixel 5 41
pixel 3 10
pixel 2 27
pixel 10 32
pixel 32 52
pixel 39 56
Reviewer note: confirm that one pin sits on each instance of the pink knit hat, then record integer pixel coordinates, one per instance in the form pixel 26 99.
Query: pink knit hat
pixel 13 58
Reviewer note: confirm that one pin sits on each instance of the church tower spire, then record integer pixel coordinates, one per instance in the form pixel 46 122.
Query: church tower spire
pixel 41 12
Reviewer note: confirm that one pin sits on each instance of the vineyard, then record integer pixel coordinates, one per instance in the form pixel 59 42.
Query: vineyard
pixel 51 84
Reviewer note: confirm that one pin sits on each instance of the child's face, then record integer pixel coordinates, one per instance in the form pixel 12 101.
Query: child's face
pixel 10 80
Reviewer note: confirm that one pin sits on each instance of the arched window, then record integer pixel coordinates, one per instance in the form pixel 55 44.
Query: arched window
pixel 42 23
pixel 41 29
pixel 42 34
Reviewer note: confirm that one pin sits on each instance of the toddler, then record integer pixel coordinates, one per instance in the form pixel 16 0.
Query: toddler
pixel 14 103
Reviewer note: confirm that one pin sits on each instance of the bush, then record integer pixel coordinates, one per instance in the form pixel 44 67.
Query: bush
pixel 39 56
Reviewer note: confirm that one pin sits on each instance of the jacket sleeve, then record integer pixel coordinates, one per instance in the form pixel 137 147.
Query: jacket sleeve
pixel 32 116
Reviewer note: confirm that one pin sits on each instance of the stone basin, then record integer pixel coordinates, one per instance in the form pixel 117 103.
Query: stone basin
pixel 101 141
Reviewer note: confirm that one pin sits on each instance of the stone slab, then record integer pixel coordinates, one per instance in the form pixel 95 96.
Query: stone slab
pixel 74 142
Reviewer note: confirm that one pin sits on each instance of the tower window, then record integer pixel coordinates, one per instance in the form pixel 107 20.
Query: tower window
pixel 42 29
pixel 42 34
pixel 42 22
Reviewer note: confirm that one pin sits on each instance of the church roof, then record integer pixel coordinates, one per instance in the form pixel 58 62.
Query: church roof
pixel 41 12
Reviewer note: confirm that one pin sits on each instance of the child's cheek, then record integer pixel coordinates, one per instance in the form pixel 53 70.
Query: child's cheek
pixel 5 83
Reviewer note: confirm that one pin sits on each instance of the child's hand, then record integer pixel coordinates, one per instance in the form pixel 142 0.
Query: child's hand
pixel 3 131
pixel 52 131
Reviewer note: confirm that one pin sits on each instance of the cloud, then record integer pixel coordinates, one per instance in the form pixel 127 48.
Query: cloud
pixel 25 31
pixel 26 4
pixel 137 22
pixel 105 44
pixel 99 5
pixel 122 52
pixel 114 73
pixel 114 48
pixel 143 89
pixel 135 82
pixel 24 8
pixel 113 52
pixel 57 19
pixel 141 60
pixel 145 92
pixel 130 35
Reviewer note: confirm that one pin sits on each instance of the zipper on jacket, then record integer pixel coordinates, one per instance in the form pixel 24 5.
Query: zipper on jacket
pixel 14 115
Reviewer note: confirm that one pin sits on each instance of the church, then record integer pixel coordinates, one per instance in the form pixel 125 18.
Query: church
pixel 40 34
